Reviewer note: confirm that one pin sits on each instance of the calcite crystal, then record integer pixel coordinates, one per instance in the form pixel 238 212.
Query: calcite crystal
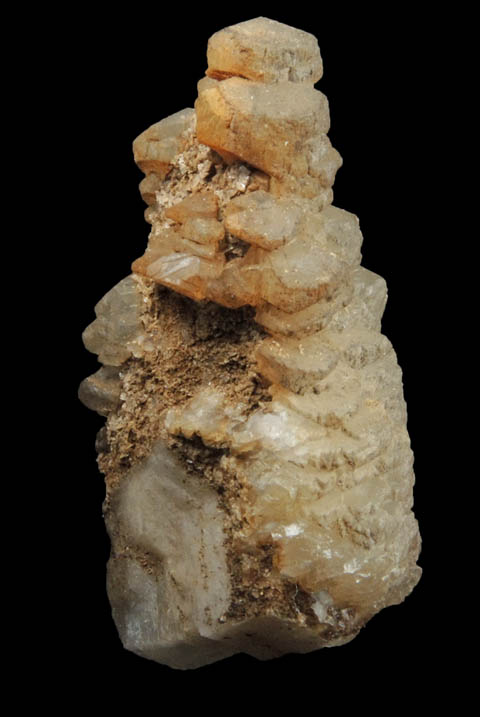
pixel 257 462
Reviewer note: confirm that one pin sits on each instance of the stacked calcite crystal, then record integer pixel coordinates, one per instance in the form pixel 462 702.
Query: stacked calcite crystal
pixel 258 466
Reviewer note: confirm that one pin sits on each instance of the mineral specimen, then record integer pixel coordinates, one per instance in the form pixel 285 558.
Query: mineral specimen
pixel 258 467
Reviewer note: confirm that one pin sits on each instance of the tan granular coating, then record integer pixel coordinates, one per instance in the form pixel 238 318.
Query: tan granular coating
pixel 196 344
pixel 193 344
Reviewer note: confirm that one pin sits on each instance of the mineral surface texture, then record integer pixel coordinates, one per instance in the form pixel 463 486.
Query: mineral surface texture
pixel 258 466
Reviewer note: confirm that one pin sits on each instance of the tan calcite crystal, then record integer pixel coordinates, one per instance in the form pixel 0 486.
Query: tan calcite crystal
pixel 265 51
pixel 258 466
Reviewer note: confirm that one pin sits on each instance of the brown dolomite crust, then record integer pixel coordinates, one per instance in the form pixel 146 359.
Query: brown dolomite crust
pixel 258 467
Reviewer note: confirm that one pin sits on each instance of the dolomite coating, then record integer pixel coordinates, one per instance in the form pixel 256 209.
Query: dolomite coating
pixel 257 462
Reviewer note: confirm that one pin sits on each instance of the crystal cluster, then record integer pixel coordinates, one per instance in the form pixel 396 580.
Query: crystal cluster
pixel 258 467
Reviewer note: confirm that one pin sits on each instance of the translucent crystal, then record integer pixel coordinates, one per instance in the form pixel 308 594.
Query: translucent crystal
pixel 117 325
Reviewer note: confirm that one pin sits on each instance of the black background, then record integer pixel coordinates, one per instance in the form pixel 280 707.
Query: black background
pixel 116 73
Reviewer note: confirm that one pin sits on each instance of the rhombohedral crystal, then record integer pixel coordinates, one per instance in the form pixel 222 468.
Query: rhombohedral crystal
pixel 257 462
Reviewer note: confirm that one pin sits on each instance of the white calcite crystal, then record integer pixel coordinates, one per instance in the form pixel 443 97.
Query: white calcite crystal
pixel 257 462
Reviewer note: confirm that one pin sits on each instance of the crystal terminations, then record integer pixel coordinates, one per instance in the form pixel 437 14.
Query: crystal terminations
pixel 257 462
